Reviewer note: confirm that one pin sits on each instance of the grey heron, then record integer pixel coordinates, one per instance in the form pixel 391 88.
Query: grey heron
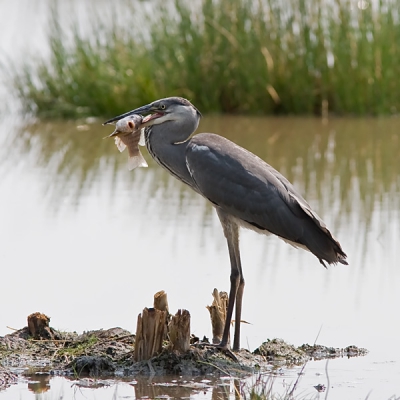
pixel 244 189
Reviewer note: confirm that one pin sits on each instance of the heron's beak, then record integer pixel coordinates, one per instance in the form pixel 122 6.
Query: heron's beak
pixel 147 109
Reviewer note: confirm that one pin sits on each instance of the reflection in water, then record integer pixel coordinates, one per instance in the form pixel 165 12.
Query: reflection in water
pixel 75 157
pixel 39 383
pixel 342 159
pixel 173 387
pixel 156 387
pixel 342 167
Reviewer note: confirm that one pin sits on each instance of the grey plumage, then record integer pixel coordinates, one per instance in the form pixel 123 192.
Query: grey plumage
pixel 244 189
pixel 257 194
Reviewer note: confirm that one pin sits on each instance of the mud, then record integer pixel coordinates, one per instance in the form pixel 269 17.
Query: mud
pixel 278 351
pixel 7 378
pixel 110 353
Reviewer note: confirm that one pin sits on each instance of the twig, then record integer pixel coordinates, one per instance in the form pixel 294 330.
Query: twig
pixel 13 329
pixel 298 379
pixel 370 393
pixel 51 340
pixel 54 354
pixel 320 329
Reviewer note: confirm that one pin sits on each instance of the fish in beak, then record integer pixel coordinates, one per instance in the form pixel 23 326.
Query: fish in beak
pixel 128 134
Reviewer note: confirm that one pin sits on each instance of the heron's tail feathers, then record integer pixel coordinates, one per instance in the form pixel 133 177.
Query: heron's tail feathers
pixel 342 259
pixel 317 237
pixel 332 253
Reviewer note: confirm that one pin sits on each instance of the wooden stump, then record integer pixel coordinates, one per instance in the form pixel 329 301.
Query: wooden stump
pixel 161 301
pixel 150 332
pixel 38 326
pixel 179 331
pixel 218 314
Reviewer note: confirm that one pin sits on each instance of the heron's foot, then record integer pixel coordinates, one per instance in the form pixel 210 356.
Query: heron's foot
pixel 220 347
pixel 228 352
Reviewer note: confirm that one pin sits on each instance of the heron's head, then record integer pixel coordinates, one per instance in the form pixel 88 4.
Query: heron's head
pixel 163 110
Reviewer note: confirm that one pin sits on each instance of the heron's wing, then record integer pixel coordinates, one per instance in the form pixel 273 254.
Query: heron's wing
pixel 245 186
pixel 298 198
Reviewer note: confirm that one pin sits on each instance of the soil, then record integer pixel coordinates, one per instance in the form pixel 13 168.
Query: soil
pixel 110 352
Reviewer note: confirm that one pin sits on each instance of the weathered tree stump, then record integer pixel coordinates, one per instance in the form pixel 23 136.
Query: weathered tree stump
pixel 38 326
pixel 218 314
pixel 161 301
pixel 150 332
pixel 179 331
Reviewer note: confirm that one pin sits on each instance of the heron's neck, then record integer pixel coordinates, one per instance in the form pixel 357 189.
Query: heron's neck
pixel 168 148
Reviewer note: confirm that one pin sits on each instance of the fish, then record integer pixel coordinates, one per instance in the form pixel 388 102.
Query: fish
pixel 129 134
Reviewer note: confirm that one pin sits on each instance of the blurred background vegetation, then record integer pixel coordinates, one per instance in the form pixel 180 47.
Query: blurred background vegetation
pixel 308 57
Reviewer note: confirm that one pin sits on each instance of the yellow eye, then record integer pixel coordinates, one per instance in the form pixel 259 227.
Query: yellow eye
pixel 162 106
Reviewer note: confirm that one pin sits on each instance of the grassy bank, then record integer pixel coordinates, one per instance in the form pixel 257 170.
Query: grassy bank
pixel 231 56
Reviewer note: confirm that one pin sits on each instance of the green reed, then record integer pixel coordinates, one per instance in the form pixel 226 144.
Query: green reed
pixel 227 56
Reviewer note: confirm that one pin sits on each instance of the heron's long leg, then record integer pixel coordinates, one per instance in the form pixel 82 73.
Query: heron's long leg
pixel 231 231
pixel 239 298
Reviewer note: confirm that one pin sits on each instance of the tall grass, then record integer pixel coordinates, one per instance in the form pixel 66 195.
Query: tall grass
pixel 228 56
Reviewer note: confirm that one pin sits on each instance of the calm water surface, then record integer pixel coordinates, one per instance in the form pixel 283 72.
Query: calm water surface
pixel 88 243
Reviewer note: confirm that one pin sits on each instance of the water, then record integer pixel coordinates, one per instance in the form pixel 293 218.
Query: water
pixel 88 243
pixel 158 387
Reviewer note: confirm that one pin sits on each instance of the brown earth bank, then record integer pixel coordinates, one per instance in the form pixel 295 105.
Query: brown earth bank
pixel 111 352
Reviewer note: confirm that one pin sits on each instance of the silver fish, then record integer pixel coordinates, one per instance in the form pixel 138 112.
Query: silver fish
pixel 128 134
